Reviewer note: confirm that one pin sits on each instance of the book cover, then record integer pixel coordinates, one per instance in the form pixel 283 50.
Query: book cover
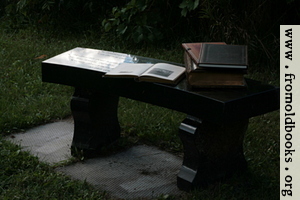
pixel 223 56
pixel 194 49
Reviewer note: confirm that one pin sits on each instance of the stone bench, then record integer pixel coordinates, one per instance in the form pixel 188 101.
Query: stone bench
pixel 212 133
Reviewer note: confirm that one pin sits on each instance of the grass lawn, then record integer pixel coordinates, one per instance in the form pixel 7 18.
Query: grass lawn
pixel 26 101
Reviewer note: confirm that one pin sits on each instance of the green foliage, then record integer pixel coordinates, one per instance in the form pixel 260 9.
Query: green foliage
pixel 188 6
pixel 70 14
pixel 138 20
pixel 255 23
pixel 20 13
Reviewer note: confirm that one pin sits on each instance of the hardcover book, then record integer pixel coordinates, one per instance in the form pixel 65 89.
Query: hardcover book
pixel 212 65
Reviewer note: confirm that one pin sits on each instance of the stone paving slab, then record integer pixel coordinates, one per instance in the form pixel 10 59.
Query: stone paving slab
pixel 50 142
pixel 139 172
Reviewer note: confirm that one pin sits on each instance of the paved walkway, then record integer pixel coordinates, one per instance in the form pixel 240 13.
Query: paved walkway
pixel 139 172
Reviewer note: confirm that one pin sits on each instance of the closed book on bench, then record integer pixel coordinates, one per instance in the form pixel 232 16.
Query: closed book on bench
pixel 215 66
pixel 159 72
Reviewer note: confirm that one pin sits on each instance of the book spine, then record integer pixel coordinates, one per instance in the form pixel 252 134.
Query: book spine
pixel 190 53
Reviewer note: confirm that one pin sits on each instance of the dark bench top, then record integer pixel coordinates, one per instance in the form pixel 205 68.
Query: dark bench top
pixel 215 105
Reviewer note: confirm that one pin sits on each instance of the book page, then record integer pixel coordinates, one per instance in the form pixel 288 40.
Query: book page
pixel 164 71
pixel 129 69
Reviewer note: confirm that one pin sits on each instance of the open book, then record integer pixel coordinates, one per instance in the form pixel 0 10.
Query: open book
pixel 159 72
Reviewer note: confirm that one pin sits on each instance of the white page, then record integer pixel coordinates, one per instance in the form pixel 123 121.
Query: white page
pixel 129 69
pixel 165 71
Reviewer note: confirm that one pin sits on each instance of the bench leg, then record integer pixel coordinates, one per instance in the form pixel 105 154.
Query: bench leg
pixel 211 152
pixel 95 121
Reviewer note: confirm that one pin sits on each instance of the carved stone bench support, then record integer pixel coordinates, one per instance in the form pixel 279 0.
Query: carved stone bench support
pixel 95 121
pixel 211 151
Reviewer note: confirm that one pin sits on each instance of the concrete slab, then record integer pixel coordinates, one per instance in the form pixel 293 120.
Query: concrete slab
pixel 50 142
pixel 139 172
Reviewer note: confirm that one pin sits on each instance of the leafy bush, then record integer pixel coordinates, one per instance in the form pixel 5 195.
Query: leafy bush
pixel 255 23
pixel 65 13
pixel 143 20
pixel 134 21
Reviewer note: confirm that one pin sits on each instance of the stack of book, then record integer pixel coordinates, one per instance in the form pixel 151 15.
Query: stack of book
pixel 215 64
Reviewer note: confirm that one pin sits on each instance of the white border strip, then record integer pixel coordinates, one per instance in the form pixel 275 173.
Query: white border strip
pixel 289 112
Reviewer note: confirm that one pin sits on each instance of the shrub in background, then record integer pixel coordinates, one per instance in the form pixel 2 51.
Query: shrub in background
pixel 255 23
pixel 144 20
pixel 69 14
